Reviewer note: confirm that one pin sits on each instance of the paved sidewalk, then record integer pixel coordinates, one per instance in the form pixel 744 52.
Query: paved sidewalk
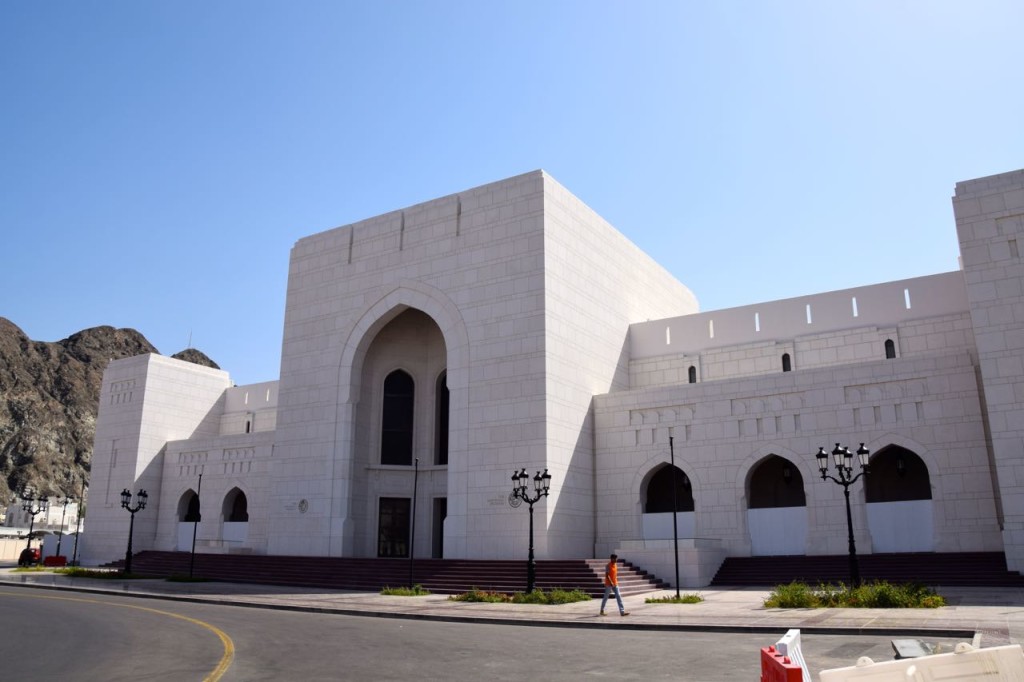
pixel 997 614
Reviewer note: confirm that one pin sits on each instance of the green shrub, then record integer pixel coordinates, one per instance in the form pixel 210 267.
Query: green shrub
pixel 477 595
pixel 795 595
pixel 416 590
pixel 78 572
pixel 562 596
pixel 876 595
pixel 685 598
pixel 555 596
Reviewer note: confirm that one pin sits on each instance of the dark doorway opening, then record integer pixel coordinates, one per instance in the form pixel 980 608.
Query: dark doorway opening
pixel 440 514
pixel 393 527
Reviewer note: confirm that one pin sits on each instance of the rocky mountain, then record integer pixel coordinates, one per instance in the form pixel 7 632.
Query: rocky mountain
pixel 49 396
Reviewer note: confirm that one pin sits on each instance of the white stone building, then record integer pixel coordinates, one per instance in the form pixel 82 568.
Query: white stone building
pixel 450 343
pixel 58 517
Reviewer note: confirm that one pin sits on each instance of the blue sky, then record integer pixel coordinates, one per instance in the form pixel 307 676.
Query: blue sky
pixel 159 159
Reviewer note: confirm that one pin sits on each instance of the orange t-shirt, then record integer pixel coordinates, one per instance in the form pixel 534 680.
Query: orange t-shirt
pixel 611 574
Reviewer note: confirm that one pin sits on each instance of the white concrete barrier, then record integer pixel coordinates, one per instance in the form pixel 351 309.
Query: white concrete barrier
pixel 965 664
pixel 789 645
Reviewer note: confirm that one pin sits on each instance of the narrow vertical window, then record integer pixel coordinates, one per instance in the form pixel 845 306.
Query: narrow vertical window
pixel 854 302
pixel 396 419
pixel 441 419
pixel 692 374
pixel 786 364
pixel 890 349
pixel 757 322
pixel 668 336
pixel 711 329
pixel 906 298
pixel 809 318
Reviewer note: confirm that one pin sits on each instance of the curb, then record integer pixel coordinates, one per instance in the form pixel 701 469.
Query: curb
pixel 485 620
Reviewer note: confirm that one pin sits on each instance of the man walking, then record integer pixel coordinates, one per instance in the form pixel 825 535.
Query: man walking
pixel 611 584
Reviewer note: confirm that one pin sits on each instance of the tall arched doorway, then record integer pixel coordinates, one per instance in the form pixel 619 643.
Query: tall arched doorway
pixel 401 411
pixel 668 489
pixel 898 493
pixel 777 508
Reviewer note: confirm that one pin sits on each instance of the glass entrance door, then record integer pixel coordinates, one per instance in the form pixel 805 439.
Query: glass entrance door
pixel 393 527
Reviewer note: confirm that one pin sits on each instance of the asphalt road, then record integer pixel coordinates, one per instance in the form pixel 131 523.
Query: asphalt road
pixel 51 635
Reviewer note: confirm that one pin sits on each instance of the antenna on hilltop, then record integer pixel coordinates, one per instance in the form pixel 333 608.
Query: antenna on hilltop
pixel 189 339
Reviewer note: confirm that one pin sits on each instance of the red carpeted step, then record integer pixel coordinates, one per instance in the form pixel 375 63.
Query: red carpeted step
pixel 931 568
pixel 444 576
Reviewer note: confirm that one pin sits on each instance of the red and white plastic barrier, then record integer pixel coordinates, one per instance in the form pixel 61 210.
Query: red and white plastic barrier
pixel 776 667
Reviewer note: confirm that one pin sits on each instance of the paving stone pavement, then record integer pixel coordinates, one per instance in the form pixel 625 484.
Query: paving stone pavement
pixel 996 614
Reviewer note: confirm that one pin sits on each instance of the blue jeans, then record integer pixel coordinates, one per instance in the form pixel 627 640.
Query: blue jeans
pixel 609 589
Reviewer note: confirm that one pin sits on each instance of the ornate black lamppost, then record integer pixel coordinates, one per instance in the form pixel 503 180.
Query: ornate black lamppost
pixel 126 503
pixel 33 506
pixel 843 460
pixel 520 494
pixel 64 503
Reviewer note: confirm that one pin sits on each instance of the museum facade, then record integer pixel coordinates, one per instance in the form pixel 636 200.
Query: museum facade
pixel 431 352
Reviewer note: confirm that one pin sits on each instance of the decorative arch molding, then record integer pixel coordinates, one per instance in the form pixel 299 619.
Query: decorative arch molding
pixel 184 505
pixel 774 483
pixel 658 526
pixel 908 444
pixel 663 486
pixel 648 469
pixel 349 516
pixel 355 341
pixel 750 462
pixel 235 503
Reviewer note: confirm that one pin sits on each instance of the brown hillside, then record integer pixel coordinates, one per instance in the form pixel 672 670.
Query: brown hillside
pixel 49 395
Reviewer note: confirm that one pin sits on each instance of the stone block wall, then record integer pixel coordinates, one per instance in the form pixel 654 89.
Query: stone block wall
pixel 990 225
pixel 722 429
pixel 145 401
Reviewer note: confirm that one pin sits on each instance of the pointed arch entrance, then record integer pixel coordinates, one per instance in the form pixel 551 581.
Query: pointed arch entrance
pixel 359 480
pixel 188 516
pixel 664 488
pixel 777 508
pixel 403 403
pixel 235 516
pixel 898 493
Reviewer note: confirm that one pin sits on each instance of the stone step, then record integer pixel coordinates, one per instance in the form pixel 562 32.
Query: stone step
pixel 930 568
pixel 444 576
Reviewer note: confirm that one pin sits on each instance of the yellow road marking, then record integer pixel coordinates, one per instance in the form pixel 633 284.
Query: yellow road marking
pixel 229 646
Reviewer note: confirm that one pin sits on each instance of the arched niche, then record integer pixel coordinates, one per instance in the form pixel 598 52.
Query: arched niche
pixel 235 512
pixel 188 515
pixel 188 507
pixel 235 507
pixel 777 508
pixel 898 493
pixel 666 489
